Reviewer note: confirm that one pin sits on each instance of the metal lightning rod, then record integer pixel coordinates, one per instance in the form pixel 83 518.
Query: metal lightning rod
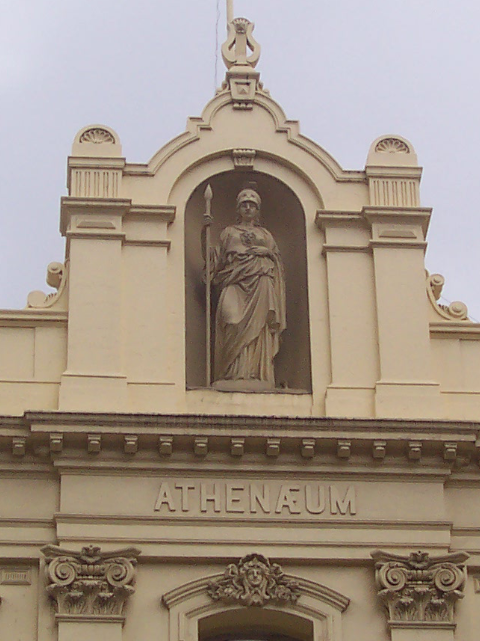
pixel 229 13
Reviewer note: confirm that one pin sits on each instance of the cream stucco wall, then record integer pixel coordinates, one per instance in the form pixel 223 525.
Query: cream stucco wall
pixel 113 337
pixel 104 441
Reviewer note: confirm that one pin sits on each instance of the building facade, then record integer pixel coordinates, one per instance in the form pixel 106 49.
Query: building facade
pixel 143 498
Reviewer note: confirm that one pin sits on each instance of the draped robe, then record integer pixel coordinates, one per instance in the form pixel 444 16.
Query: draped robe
pixel 250 313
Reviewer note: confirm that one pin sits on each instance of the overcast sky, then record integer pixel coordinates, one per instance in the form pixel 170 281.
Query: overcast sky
pixel 348 70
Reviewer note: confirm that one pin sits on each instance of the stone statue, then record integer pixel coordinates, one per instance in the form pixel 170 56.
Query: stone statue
pixel 247 270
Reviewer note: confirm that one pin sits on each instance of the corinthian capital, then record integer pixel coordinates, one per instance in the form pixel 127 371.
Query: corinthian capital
pixel 420 588
pixel 90 582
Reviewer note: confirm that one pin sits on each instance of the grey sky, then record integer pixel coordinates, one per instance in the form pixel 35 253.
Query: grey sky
pixel 349 71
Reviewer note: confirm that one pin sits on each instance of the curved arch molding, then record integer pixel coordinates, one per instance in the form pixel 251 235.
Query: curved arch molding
pixel 317 604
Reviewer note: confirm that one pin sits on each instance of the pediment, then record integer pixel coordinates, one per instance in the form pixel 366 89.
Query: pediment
pixel 222 128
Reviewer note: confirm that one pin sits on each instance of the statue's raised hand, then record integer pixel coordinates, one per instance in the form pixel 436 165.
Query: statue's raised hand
pixel 207 220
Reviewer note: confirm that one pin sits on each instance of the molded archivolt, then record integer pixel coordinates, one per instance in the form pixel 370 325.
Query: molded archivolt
pixel 289 129
pixel 194 616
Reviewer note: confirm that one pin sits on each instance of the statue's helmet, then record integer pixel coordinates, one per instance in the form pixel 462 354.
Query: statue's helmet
pixel 249 195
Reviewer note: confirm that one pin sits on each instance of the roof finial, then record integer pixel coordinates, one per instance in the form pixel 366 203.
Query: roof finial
pixel 239 41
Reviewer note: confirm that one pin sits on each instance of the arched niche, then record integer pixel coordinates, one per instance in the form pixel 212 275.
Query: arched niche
pixel 283 215
pixel 261 624
pixel 194 616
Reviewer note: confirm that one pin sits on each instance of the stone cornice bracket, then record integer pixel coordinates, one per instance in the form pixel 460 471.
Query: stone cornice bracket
pixel 419 589
pixel 57 277
pixel 456 311
pixel 242 80
pixel 90 582
pixel 254 581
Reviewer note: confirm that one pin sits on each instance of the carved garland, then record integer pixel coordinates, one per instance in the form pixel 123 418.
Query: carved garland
pixel 254 580
pixel 90 582
pixel 420 588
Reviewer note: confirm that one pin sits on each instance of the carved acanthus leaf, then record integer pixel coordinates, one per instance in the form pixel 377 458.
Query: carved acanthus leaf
pixel 456 311
pixel 90 582
pixel 418 587
pixel 254 580
pixel 392 146
pixel 97 136
pixel 57 278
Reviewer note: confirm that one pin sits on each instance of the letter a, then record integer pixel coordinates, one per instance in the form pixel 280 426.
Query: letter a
pixel 165 496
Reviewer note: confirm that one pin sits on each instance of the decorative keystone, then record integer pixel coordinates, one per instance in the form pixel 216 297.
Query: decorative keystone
pixel 94 443
pixel 418 588
pixel 237 446
pixel 19 444
pixel 130 444
pixel 56 443
pixel 90 582
pixel 415 450
pixel 379 449
pixel 200 446
pixel 254 581
pixel 243 158
pixel 165 445
pixel 308 448
pixel 344 449
pixel 273 447
pixel 449 451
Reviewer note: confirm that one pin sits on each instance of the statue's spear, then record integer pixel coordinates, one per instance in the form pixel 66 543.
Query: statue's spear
pixel 208 311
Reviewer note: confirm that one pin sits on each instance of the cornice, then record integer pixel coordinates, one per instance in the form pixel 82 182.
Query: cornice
pixel 373 215
pixel 291 469
pixel 31 317
pixel 399 215
pixel 326 524
pixel 331 218
pixel 163 212
pixel 86 162
pixel 117 443
pixel 74 204
pixel 375 171
pixel 70 205
pixel 206 422
pixel 461 329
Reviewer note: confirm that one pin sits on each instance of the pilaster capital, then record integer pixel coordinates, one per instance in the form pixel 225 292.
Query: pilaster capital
pixel 98 212
pixel 419 588
pixel 90 582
